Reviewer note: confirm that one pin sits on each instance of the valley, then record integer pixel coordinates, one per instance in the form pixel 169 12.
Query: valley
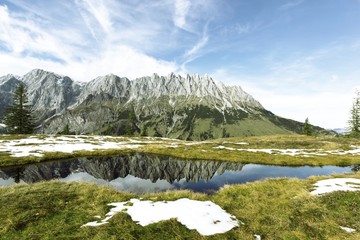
pixel 207 160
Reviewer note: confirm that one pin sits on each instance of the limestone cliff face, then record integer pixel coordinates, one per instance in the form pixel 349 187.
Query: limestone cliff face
pixel 190 107
pixel 50 93
pixel 109 168
pixel 8 85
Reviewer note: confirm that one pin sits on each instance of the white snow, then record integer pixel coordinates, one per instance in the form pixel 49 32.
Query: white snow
pixel 2 125
pixel 33 146
pixel 204 216
pixel 347 229
pixel 227 148
pixel 194 143
pixel 336 184
pixel 257 237
pixel 37 146
pixel 293 152
pixel 237 143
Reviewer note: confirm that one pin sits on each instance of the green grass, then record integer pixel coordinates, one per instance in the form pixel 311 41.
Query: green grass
pixel 274 208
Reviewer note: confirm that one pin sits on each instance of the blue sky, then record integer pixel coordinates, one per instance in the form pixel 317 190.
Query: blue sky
pixel 299 58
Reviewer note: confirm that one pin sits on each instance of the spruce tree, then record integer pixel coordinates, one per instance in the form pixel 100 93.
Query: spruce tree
pixel 354 121
pixel 307 127
pixel 18 118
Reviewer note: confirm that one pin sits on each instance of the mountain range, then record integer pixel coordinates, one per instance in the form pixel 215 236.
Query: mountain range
pixel 192 107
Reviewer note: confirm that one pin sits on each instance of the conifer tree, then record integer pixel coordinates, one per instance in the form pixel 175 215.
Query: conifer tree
pixel 307 127
pixel 18 118
pixel 130 127
pixel 354 121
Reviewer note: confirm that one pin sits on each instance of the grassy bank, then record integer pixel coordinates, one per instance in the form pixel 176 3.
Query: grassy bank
pixel 275 150
pixel 274 209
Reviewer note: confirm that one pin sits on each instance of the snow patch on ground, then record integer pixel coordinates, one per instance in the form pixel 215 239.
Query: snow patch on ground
pixel 294 152
pixel 226 148
pixel 33 146
pixel 238 143
pixel 204 216
pixel 336 184
pixel 257 237
pixel 349 230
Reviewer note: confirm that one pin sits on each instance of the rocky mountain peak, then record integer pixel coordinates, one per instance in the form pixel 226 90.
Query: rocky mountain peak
pixel 8 77
pixel 50 93
pixel 9 82
pixel 109 84
pixel 39 75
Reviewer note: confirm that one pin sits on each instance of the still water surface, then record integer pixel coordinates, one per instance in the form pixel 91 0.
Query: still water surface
pixel 148 173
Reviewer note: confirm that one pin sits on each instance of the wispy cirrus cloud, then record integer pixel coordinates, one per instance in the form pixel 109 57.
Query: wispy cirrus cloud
pixel 291 4
pixel 241 29
pixel 95 14
pixel 237 29
pixel 194 51
pixel 194 17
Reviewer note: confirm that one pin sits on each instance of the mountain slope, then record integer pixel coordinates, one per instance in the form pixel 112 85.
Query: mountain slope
pixel 190 107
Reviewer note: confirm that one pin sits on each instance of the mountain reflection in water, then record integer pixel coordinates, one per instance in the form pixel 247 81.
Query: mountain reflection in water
pixel 137 172
pixel 149 173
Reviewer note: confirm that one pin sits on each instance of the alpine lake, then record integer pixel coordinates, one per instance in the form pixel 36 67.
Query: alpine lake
pixel 144 173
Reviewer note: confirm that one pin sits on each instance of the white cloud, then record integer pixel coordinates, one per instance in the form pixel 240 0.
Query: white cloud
pixel 181 9
pixel 122 61
pixel 191 16
pixel 328 109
